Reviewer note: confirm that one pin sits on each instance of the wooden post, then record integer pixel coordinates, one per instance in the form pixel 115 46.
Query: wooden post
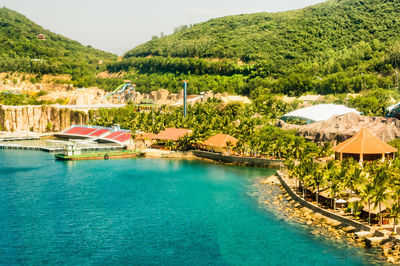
pixel 361 157
pixel 341 156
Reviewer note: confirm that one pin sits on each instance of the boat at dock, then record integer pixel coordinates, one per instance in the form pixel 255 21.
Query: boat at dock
pixel 100 155
pixel 71 153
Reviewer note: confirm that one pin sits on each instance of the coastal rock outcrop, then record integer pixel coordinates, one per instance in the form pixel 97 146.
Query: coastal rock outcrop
pixel 39 118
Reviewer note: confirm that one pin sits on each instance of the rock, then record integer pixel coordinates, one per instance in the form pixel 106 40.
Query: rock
pixel 38 118
pixel 364 234
pixel 374 241
pixel 391 259
pixel 348 124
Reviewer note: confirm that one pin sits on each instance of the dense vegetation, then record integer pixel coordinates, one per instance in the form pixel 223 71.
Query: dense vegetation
pixel 333 47
pixel 7 98
pixel 375 185
pixel 256 136
pixel 22 51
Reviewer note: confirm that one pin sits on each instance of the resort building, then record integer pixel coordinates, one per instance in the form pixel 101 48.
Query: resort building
pixel 320 112
pixel 221 143
pixel 172 134
pixel 169 135
pixel 364 147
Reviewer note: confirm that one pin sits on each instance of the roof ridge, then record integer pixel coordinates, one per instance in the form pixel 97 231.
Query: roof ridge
pixel 349 141
pixel 362 140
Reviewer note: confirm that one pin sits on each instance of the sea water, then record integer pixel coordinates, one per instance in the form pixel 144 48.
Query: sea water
pixel 148 212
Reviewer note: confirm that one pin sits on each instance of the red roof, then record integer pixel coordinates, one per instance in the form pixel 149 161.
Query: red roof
pixel 172 134
pixel 364 143
pixel 220 141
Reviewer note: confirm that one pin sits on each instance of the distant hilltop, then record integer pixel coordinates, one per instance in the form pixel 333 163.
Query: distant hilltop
pixel 341 46
pixel 292 36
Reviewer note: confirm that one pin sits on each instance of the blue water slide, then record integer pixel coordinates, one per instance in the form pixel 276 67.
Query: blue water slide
pixel 121 88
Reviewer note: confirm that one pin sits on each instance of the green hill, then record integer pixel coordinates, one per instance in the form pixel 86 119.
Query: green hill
pixel 290 36
pixel 334 47
pixel 21 50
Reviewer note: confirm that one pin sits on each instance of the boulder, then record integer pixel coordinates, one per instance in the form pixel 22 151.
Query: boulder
pixel 339 128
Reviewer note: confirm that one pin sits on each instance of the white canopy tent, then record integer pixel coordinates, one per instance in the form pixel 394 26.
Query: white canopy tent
pixel 319 112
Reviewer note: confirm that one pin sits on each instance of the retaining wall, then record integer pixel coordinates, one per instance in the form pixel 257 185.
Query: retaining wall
pixel 248 161
pixel 309 205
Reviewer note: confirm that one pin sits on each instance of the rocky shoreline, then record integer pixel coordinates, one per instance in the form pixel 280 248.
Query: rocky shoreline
pixel 316 223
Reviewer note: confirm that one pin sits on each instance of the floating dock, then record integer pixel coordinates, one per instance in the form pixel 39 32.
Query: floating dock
pixel 103 155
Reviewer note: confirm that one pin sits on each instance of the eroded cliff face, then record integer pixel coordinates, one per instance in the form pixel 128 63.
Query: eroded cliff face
pixel 39 118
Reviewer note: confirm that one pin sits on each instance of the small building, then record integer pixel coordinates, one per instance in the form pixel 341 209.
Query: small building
pixel 168 138
pixel 221 143
pixel 172 134
pixel 144 140
pixel 71 150
pixel 364 147
pixel 41 37
pixel 146 105
pixel 310 99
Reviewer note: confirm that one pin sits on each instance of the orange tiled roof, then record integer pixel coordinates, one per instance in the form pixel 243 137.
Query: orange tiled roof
pixel 144 136
pixel 172 134
pixel 364 143
pixel 220 141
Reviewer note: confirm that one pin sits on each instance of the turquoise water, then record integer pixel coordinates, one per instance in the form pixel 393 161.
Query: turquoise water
pixel 147 211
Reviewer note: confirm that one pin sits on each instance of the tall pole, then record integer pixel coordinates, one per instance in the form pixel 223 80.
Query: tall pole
pixel 185 82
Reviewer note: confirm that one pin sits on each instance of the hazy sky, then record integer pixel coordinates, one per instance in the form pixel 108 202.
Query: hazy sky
pixel 119 25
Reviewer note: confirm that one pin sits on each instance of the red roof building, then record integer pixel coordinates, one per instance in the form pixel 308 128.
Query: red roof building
pixel 219 143
pixel 173 134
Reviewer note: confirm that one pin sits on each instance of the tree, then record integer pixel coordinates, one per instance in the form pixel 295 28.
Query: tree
pixel 367 195
pixel 380 190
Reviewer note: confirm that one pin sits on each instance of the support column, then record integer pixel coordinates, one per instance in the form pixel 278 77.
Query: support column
pixel 361 157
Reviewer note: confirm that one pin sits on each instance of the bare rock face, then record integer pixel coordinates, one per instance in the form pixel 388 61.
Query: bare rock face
pixel 162 95
pixel 39 118
pixel 173 97
pixel 340 128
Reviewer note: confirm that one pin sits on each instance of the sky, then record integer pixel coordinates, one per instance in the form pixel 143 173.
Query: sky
pixel 119 25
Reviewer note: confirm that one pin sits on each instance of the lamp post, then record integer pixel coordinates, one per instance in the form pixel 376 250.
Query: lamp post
pixel 185 82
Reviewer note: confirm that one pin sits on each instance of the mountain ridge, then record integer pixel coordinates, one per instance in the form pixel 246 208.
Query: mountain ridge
pixel 338 46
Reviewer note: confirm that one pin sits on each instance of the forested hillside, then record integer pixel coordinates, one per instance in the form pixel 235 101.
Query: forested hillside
pixel 335 47
pixel 27 47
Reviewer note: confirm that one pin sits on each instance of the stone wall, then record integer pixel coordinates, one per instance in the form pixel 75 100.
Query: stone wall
pixel 38 118
pixel 248 161
pixel 304 203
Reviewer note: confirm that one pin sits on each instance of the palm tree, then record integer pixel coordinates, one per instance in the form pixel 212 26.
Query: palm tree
pixel 366 195
pixel 333 173
pixel 395 213
pixel 353 180
pixel 291 166
pixel 318 178
pixel 379 196
pixel 380 190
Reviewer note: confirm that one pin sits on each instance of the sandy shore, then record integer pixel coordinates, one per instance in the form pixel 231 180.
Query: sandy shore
pixel 155 153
